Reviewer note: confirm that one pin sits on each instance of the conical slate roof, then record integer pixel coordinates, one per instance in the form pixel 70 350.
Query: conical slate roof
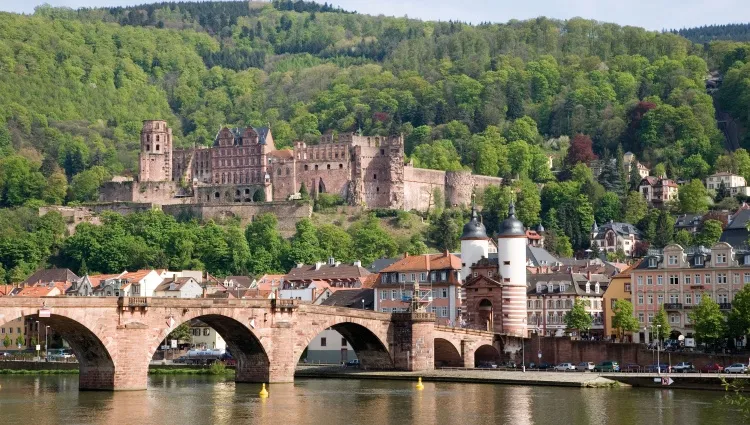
pixel 474 229
pixel 511 226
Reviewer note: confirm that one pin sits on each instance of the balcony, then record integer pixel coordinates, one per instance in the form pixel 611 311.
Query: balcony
pixel 725 306
pixel 673 306
pixel 697 287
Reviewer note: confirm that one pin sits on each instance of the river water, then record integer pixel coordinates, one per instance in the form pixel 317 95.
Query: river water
pixel 198 400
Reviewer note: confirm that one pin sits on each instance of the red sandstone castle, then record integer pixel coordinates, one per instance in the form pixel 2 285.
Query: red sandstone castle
pixel 243 165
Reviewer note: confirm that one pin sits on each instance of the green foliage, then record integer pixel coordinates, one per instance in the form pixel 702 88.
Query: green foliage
pixel 578 319
pixel 445 230
pixel 440 155
pixel 180 333
pixel 7 341
pixel 693 197
pixel 738 321
pixel 326 201
pixel 372 242
pixel 623 318
pixel 660 321
pixel 709 233
pixel 708 321
pixel 683 238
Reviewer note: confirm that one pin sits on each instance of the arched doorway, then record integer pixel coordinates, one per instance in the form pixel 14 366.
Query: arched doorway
pixel 485 356
pixel 321 186
pixel 446 354
pixel 485 314
pixel 367 348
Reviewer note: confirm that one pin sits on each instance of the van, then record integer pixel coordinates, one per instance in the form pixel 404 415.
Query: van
pixel 607 366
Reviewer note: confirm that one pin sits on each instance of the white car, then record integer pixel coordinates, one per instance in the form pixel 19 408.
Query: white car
pixel 564 367
pixel 736 368
pixel 586 366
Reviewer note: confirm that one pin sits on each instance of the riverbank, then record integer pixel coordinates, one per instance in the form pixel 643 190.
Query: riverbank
pixel 579 380
pixel 55 368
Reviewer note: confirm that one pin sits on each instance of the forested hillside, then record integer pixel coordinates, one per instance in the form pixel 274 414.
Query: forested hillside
pixel 497 98
pixel 708 33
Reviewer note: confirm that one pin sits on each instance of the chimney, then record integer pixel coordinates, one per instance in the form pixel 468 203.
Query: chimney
pixel 357 263
pixel 318 265
pixel 588 275
pixel 300 265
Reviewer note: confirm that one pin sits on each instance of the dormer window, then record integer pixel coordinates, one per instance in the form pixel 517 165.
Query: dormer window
pixel 596 288
pixel 699 260
pixel 721 258
pixel 672 260
pixel 588 287
pixel 538 288
pixel 652 262
pixel 747 258
pixel 562 287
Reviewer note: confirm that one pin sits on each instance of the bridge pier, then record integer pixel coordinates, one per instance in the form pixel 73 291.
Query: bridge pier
pixel 413 345
pixel 467 352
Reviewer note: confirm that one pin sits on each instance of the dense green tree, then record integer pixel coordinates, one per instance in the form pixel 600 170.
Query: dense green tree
pixel 371 241
pixel 623 319
pixel 709 233
pixel 578 319
pixel 693 197
pixel 708 321
pixel 445 230
pixel 661 323
pixel 304 246
pixel 180 333
pixel 683 238
pixel 664 229
pixel 635 207
pixel 608 208
pixel 85 185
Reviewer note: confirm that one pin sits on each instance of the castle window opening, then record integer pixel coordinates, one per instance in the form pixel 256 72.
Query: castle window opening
pixel 278 172
pixel 216 195
pixel 316 167
pixel 382 151
pixel 287 171
pixel 148 148
pixel 305 167
pixel 157 148
pixel 157 137
pixel 237 193
pixel 377 189
pixel 374 176
pixel 328 166
pixel 341 166
pixel 208 197
pixel 247 191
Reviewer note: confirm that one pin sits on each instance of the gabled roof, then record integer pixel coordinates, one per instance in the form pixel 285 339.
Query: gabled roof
pixel 243 281
pixel 381 263
pixel 39 291
pixel 623 229
pixel 282 154
pixel 178 283
pixel 237 133
pixel 351 298
pixel 269 281
pixel 538 256
pixel 425 262
pixel 326 272
pixel 52 275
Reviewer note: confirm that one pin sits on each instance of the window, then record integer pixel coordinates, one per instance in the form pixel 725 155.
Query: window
pixel 640 299
pixel 721 258
pixel 674 298
pixel 384 310
pixel 393 294
pixel 383 294
pixel 443 276
pixel 698 260
pixel 673 279
pixel 627 287
pixel 640 280
pixel 489 273
pixel 443 311
pixel 708 279
pixel 649 280
pixel 640 317
pixel 206 331
pixel 674 318
pixel 650 299
pixel 687 279
pixel 652 262
pixel 432 276
pixel 660 280
pixel 343 342
pixel 650 317
pixel 721 278
pixel 443 292
pixel 423 277
pixel 697 279
pixel 323 342
pixel 660 299
pixel 402 277
pixel 672 260
pixel 746 278
pixel 688 298
pixel 506 263
pixel 722 298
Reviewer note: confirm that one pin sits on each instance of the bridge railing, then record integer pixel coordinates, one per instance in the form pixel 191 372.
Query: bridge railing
pixel 134 301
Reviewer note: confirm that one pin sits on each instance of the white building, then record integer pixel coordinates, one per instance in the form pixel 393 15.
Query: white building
pixel 205 337
pixel 612 237
pixel 181 287
pixel 735 183
pixel 329 347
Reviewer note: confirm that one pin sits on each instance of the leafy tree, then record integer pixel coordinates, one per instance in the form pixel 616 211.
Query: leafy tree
pixel 693 197
pixel 523 128
pixel 635 207
pixel 661 323
pixel 304 247
pixel 664 229
pixel 695 167
pixel 372 242
pixel 180 333
pixel 683 238
pixel 7 341
pixel 722 192
pixel 85 185
pixel 445 231
pixel 709 234
pixel 580 151
pixel 20 340
pixel 335 242
pixel 608 208
pixel 623 318
pixel 738 321
pixel 440 155
pixel 528 202
pixel 708 321
pixel 578 319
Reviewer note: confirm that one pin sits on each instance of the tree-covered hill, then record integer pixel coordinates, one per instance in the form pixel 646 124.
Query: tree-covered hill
pixel 493 97
pixel 708 33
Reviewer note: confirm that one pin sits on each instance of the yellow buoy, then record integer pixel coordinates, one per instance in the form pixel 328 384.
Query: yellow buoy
pixel 263 392
pixel 420 386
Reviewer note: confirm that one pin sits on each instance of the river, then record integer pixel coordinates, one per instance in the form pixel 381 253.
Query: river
pixel 198 400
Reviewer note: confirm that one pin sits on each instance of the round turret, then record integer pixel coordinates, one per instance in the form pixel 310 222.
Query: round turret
pixel 474 229
pixel 511 226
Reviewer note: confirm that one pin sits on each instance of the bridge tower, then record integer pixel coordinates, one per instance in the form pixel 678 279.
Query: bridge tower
pixel 511 259
pixel 475 244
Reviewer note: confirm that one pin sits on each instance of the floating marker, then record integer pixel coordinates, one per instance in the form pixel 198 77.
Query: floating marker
pixel 263 392
pixel 420 386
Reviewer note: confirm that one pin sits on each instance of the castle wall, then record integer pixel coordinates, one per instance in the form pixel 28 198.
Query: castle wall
pixel 160 192
pixel 231 193
pixel 420 185
pixel 459 186
pixel 284 180
pixel 481 182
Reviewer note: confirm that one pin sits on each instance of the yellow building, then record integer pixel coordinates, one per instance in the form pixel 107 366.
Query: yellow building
pixel 619 288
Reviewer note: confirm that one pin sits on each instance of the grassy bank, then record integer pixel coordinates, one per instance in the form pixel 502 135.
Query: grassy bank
pixel 38 372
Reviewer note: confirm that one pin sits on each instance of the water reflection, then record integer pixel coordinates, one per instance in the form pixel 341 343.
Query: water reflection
pixel 216 401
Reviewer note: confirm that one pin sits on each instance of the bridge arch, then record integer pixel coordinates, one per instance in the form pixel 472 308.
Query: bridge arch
pixel 253 363
pixel 486 354
pixel 447 354
pixel 370 346
pixel 95 362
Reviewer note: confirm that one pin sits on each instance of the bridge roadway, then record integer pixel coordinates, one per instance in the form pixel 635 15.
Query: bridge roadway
pixel 115 338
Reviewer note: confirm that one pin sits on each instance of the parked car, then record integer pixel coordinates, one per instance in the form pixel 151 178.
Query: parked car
pixel 712 368
pixel 487 365
pixel 179 360
pixel 510 364
pixel 683 367
pixel 608 366
pixel 736 368
pixel 353 363
pixel 660 367
pixel 585 366
pixel 565 367
pixel 544 366
pixel 5 354
pixel 632 367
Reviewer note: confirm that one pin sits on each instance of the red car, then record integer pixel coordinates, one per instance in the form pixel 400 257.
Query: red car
pixel 712 368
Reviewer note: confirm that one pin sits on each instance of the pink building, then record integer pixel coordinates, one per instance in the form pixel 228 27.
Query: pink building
pixel 678 277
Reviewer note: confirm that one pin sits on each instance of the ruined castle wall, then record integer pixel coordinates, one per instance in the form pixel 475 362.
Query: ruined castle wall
pixel 283 180
pixel 163 192
pixel 231 193
pixel 481 182
pixel 458 188
pixel 117 191
pixel 327 176
pixel 419 187
pixel 376 176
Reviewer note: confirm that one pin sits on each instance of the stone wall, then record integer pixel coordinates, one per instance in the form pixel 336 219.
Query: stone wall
pixel 288 212
pixel 419 187
pixel 459 186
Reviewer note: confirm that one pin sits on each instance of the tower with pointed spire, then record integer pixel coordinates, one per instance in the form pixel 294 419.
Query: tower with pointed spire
pixel 475 244
pixel 511 258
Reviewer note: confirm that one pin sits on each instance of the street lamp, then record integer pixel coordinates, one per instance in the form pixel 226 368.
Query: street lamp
pixel 37 338
pixel 523 347
pixel 363 303
pixel 46 347
pixel 658 365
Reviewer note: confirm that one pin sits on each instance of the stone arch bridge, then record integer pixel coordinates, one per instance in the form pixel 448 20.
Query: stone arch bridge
pixel 114 338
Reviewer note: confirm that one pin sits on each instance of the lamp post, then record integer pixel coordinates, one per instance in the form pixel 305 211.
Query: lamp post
pixel 523 348
pixel 46 347
pixel 37 338
pixel 658 365
pixel 363 303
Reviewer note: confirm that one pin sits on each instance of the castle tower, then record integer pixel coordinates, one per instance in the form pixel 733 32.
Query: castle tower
pixel 474 244
pixel 511 259
pixel 155 157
